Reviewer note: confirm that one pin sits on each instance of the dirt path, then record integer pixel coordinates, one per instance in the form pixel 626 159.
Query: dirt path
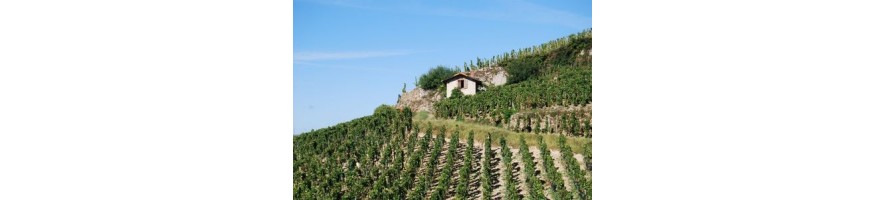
pixel 473 187
pixel 518 168
pixel 440 163
pixel 455 179
pixel 580 158
pixel 539 165
pixel 560 167
pixel 497 169
pixel 422 167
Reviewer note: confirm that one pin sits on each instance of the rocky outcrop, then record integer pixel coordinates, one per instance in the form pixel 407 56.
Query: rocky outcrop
pixel 490 75
pixel 586 55
pixel 419 100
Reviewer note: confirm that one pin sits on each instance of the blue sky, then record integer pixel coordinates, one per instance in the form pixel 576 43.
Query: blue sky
pixel 351 56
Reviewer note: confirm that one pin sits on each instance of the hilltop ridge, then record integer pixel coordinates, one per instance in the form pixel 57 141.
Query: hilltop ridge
pixel 526 63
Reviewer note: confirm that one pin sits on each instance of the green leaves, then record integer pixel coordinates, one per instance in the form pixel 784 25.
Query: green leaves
pixel 466 169
pixel 509 180
pixel 533 184
pixel 571 86
pixel 347 169
pixel 523 69
pixel 434 77
pixel 381 156
pixel 580 184
pixel 486 178
pixel 457 94
pixel 557 185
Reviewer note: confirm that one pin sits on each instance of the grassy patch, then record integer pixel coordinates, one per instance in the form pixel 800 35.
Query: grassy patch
pixel 480 131
pixel 422 115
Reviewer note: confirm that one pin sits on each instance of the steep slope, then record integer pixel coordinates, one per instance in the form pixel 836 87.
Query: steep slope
pixel 542 89
pixel 527 136
pixel 515 66
pixel 419 99
pixel 561 98
pixel 423 100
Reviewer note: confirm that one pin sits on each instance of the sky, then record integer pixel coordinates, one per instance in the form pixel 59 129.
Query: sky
pixel 352 56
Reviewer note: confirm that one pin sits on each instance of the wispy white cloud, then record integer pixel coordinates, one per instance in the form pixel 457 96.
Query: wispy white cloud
pixel 316 56
pixel 301 64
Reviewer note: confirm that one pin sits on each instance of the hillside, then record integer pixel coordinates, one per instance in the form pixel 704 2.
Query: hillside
pixel 420 99
pixel 557 103
pixel 527 136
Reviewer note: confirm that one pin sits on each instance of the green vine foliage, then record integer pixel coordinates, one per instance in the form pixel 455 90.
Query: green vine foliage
pixel 569 86
pixel 346 170
pixel 386 156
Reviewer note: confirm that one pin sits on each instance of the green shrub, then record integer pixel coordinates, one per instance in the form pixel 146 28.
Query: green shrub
pixel 456 93
pixel 422 115
pixel 434 77
pixel 523 68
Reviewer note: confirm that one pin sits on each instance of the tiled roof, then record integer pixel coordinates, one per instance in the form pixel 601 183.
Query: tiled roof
pixel 462 74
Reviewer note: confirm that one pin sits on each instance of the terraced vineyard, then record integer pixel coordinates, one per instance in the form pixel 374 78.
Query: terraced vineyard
pixel 548 91
pixel 528 139
pixel 380 157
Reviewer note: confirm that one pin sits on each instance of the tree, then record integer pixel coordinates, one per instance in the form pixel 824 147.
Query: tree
pixel 434 77
pixel 523 69
pixel 404 87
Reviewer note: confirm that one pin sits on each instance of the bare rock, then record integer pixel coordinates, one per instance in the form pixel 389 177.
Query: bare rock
pixel 490 75
pixel 419 100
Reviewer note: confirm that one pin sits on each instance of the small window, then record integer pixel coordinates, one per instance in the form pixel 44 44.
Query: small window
pixel 461 84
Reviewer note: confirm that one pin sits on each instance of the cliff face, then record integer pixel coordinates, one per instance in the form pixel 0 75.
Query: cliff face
pixel 419 100
pixel 490 76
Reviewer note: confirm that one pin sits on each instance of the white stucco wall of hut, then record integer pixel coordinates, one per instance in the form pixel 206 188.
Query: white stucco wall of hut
pixel 469 87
